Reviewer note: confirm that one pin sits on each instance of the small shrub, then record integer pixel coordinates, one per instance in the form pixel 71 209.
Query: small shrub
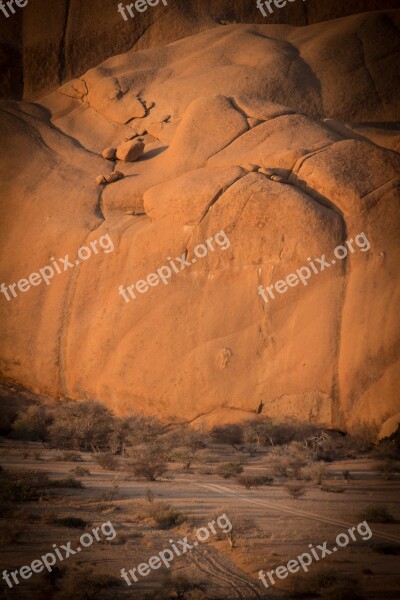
pixel 231 469
pixel 180 587
pixel 388 449
pixel 228 434
pixel 376 514
pixel 80 471
pixel 69 456
pixel 363 438
pixel 317 472
pixel 74 522
pixel 165 516
pixel 68 482
pixel 332 489
pixel 107 461
pixel 296 490
pixel 111 495
pixel 346 474
pixel 149 495
pixel 249 481
pixel 148 468
pixel 389 468
pixel 22 485
pixel 327 584
pixel 290 460
pixel 86 584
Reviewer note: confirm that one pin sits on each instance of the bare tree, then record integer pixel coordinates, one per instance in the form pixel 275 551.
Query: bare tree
pixel 81 425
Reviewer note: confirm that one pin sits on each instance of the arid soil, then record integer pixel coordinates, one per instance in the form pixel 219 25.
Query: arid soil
pixel 270 528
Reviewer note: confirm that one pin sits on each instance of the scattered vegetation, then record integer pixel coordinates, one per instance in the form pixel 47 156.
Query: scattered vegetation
pixel 164 515
pixel 180 587
pixel 74 522
pixel 315 472
pixel 328 584
pixel 22 485
pixel 80 471
pixel 376 514
pixel 231 469
pixel 86 584
pixel 32 424
pixel 295 490
pixel 107 461
pixel 69 456
pixel 228 434
pixel 149 468
pixel 332 489
pixel 68 482
pixel 249 481
pixel 389 468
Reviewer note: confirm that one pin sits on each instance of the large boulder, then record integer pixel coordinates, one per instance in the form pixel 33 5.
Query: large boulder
pixel 261 166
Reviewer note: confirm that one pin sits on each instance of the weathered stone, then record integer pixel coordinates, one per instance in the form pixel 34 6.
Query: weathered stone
pixel 108 153
pixel 130 151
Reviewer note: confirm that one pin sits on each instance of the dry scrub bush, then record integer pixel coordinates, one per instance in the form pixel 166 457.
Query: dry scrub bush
pixel 73 522
pixel 231 469
pixel 69 456
pixel 389 448
pixel 81 426
pixel 315 472
pixel 164 515
pixel 332 489
pixel 290 460
pixel 68 482
pixel 389 469
pixel 180 587
pixel 249 481
pixel 32 423
pixel 328 584
pixel 106 461
pixel 241 526
pixel 228 434
pixel 86 584
pixel 22 485
pixel 149 468
pixel 263 431
pixel 376 514
pixel 296 490
pixel 80 471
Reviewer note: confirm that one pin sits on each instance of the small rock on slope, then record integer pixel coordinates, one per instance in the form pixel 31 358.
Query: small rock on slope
pixel 130 151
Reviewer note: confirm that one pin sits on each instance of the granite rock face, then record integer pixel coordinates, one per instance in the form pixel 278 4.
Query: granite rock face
pixel 268 148
pixel 48 43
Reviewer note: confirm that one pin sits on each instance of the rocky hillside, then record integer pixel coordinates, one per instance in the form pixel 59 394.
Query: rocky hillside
pixel 283 138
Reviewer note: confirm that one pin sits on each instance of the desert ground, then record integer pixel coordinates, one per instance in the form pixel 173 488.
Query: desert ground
pixel 269 526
